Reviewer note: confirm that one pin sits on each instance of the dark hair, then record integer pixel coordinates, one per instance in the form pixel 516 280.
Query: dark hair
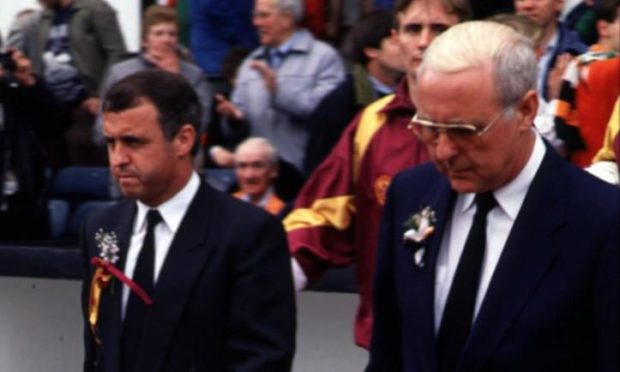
pixel 175 99
pixel 369 32
pixel 156 14
pixel 606 10
pixel 459 8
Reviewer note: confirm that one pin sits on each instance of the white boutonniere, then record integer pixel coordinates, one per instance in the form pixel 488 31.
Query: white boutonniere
pixel 107 242
pixel 418 228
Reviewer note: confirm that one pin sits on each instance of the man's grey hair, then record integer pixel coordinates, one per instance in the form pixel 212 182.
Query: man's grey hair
pixel 295 7
pixel 269 150
pixel 476 43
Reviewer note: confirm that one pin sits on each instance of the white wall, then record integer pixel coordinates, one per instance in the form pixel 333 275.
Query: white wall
pixel 127 11
pixel 41 328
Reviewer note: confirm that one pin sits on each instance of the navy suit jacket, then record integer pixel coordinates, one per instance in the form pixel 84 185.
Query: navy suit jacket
pixel 223 301
pixel 553 301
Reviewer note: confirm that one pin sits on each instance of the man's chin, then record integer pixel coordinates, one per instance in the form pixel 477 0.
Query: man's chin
pixel 463 182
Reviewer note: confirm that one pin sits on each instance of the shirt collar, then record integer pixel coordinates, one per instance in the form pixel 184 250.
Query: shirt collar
pixel 263 201
pixel 552 43
pixel 288 44
pixel 510 196
pixel 379 87
pixel 172 210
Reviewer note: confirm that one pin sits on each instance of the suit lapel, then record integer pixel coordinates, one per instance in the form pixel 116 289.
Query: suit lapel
pixel 441 200
pixel 186 258
pixel 527 256
pixel 111 325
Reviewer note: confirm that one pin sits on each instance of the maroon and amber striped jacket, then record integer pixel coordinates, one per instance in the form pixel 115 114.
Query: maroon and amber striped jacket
pixel 335 220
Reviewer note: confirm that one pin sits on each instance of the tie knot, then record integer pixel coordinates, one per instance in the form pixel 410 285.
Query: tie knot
pixel 485 202
pixel 153 218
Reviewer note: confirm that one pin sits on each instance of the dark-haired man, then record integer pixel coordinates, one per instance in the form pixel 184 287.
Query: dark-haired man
pixel 377 70
pixel 205 293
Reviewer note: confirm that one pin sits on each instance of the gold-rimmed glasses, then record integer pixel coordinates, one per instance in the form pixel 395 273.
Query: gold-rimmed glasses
pixel 461 134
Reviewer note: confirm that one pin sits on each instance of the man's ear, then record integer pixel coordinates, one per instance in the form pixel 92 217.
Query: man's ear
pixel 184 140
pixel 371 53
pixel 559 6
pixel 526 110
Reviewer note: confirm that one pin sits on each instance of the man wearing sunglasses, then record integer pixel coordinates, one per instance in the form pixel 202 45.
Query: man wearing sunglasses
pixel 500 256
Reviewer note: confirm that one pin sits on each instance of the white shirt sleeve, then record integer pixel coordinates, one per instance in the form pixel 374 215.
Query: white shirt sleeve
pixel 299 277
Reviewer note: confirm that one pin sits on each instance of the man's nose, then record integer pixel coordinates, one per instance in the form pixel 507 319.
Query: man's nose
pixel 445 149
pixel 117 156
pixel 526 4
pixel 426 36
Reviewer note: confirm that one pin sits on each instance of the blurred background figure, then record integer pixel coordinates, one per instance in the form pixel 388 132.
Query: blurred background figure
pixel 23 20
pixel 377 67
pixel 160 49
pixel 281 83
pixel 588 89
pixel 216 26
pixel 28 114
pixel 606 163
pixel 223 136
pixel 71 43
pixel 560 42
pixel 256 168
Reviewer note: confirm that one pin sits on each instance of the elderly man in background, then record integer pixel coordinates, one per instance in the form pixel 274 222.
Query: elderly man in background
pixel 281 83
pixel 256 168
pixel 500 256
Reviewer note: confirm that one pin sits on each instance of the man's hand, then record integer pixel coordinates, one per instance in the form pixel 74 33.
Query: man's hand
pixel 91 105
pixel 222 157
pixel 164 57
pixel 267 74
pixel 23 70
pixel 227 108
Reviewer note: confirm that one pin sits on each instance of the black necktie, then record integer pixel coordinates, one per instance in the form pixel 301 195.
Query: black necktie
pixel 136 308
pixel 459 311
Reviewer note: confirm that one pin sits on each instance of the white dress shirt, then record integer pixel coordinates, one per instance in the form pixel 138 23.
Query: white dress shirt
pixel 499 223
pixel 172 212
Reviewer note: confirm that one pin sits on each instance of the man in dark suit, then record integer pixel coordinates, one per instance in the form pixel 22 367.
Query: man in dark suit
pixel 211 287
pixel 501 256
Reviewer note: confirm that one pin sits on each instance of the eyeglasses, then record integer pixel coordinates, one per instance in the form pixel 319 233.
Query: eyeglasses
pixel 461 134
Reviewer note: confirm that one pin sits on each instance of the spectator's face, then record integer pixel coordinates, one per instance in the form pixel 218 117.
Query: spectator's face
pixel 419 24
pixel 389 54
pixel 474 163
pixel 543 12
pixel 255 173
pixel 145 164
pixel 273 26
pixel 161 37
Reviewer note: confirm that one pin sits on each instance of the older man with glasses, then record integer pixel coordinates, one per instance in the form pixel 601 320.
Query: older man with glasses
pixel 500 256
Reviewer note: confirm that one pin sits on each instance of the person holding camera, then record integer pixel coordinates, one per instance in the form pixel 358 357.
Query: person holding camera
pixel 28 114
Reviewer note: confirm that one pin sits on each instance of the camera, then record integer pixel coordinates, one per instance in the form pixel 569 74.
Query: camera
pixel 6 61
